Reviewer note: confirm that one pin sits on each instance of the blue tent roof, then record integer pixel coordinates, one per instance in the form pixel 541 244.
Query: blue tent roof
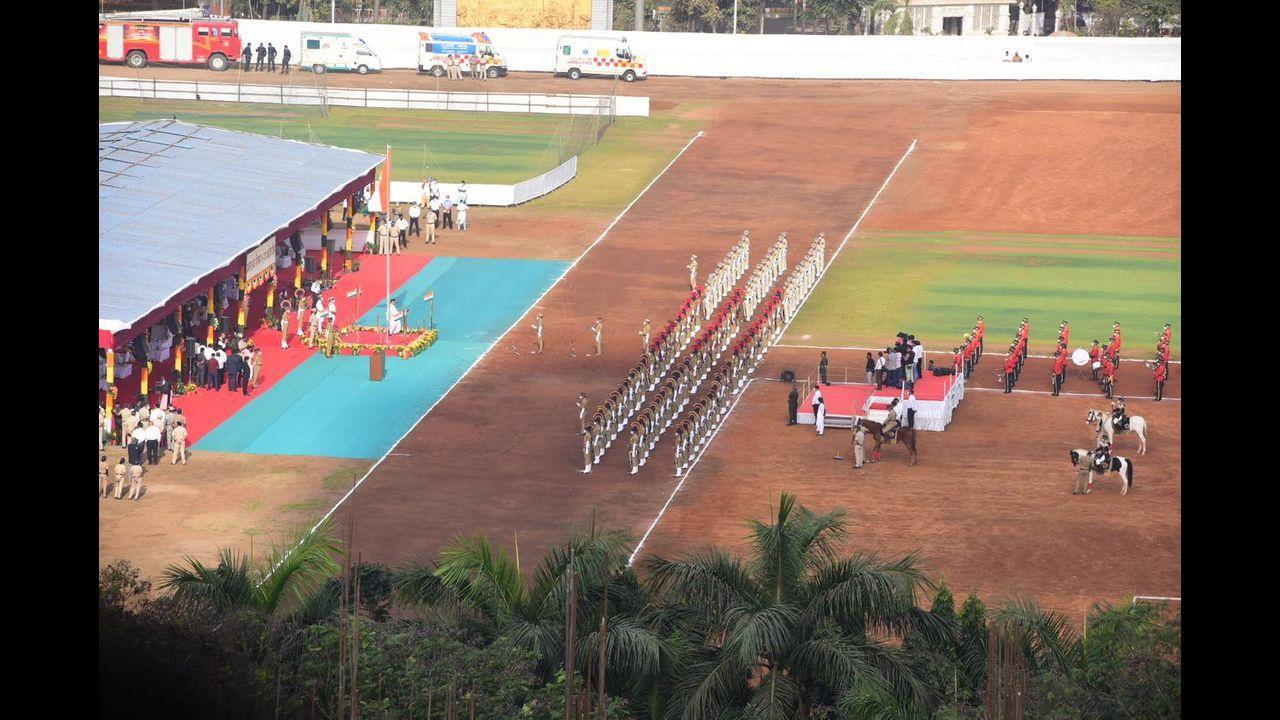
pixel 178 201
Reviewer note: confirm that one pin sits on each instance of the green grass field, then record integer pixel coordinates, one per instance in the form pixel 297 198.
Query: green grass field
pixel 478 147
pixel 933 285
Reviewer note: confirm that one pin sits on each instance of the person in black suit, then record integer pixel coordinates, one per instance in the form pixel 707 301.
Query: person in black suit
pixel 235 364
pixel 285 57
pixel 262 57
pixel 246 61
pixel 271 57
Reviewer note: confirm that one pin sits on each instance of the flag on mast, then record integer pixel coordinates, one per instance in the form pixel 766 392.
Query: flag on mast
pixel 384 184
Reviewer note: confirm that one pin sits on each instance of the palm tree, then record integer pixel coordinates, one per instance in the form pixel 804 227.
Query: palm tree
pixel 793 625
pixel 475 578
pixel 291 575
pixel 875 9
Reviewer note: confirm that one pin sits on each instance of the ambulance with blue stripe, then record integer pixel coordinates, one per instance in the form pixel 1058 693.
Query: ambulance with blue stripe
pixel 578 55
pixel 434 49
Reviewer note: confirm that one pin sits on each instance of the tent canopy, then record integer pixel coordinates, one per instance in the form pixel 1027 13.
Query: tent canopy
pixel 180 204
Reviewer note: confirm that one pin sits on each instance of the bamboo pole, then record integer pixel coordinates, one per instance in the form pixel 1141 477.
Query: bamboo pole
pixel 604 630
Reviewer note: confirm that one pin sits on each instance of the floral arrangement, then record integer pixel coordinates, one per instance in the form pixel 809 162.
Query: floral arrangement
pixel 407 350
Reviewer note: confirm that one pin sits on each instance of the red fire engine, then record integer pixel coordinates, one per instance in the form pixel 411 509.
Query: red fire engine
pixel 199 41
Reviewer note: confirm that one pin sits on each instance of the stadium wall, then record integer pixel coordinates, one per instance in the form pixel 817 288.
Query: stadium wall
pixel 976 57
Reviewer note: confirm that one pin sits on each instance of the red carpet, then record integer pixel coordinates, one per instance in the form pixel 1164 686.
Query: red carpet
pixel 843 399
pixel 206 409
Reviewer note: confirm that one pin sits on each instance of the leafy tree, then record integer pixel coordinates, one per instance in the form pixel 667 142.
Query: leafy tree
pixel 793 626
pixel 285 576
pixel 1130 667
pixel 529 614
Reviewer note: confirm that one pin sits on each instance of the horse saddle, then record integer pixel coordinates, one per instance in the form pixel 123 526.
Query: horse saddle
pixel 1123 423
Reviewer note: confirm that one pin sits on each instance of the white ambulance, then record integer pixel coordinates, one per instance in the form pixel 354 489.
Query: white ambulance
pixel 434 49
pixel 578 55
pixel 324 51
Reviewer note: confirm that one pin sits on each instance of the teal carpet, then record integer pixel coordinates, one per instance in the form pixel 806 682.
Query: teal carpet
pixel 329 407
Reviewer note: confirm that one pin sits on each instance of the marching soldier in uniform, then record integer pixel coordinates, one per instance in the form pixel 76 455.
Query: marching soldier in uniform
pixel 586 448
pixel 598 331
pixel 644 334
pixel 633 448
pixel 693 272
pixel 1161 373
pixel 537 328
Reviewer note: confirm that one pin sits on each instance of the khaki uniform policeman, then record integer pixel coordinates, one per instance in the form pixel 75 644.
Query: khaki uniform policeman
pixel 104 476
pixel 644 334
pixel 121 472
pixel 582 412
pixel 1084 467
pixel 178 443
pixel 537 328
pixel 693 272
pixel 859 446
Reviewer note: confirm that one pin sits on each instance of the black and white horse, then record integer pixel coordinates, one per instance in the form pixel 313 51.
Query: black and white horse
pixel 1120 465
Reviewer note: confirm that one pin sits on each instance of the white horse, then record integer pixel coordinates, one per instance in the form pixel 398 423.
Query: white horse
pixel 1120 465
pixel 1104 423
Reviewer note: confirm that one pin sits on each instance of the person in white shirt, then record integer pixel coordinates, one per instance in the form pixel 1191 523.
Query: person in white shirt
pixel 911 409
pixel 139 433
pixel 315 289
pixel 152 435
pixel 820 418
pixel 879 370
pixel 157 417
pixel 434 205
pixel 333 310
pixel 918 347
pixel 817 398
pixel 393 318
pixel 415 212
pixel 462 191
pixel 402 233
pixel 462 215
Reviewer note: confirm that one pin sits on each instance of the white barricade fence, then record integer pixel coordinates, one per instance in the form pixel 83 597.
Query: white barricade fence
pixel 970 57
pixel 592 105
pixel 490 194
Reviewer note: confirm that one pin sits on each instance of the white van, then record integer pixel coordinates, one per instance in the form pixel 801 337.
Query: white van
pixel 578 55
pixel 434 49
pixel 324 51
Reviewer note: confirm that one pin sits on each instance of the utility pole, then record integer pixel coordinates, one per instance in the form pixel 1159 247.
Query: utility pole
pixel 639 15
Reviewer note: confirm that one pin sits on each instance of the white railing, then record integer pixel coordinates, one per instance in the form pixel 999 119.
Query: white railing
pixel 593 105
pixel 490 194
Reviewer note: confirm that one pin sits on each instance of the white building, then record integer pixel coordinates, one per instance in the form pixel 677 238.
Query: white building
pixel 949 17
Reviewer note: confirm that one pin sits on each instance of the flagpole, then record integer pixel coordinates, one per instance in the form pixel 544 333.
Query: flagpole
pixel 386 216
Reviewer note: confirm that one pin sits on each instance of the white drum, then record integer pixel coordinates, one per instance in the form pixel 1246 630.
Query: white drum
pixel 1080 357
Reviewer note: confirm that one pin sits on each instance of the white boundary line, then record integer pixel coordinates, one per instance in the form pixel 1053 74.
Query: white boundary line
pixel 687 473
pixel 743 392
pixel 846 347
pixel 504 333
pixel 1136 598
pixel 848 235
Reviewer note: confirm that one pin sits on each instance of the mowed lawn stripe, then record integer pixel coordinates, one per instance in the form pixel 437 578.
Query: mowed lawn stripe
pixel 933 285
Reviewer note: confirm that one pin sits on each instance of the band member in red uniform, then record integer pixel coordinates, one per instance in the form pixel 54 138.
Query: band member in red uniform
pixel 978 331
pixel 1010 367
pixel 1059 369
pixel 1108 374
pixel 1162 373
pixel 1095 356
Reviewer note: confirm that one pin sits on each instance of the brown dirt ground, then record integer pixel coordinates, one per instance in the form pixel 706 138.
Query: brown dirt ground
pixel 485 464
pixel 499 455
pixel 218 500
